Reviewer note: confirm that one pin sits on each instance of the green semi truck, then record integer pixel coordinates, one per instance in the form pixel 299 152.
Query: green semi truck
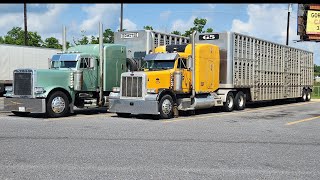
pixel 72 80
pixel 81 76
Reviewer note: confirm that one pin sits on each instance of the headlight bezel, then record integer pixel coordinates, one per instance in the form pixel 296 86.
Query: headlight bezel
pixel 8 88
pixel 116 89
pixel 152 91
pixel 39 90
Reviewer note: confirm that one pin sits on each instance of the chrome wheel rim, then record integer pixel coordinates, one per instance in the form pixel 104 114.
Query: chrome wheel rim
pixel 304 96
pixel 309 96
pixel 230 102
pixel 58 104
pixel 166 106
pixel 241 101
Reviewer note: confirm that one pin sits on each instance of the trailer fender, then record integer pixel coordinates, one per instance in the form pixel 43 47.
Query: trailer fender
pixel 223 93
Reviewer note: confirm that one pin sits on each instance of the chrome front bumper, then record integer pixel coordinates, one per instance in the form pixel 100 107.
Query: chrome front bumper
pixel 149 105
pixel 25 105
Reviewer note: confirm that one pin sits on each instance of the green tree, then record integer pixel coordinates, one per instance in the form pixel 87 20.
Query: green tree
pixel 176 33
pixel 108 36
pixel 94 40
pixel 199 24
pixel 83 40
pixel 316 70
pixel 16 36
pixel 1 40
pixel 52 42
pixel 147 27
pixel 209 30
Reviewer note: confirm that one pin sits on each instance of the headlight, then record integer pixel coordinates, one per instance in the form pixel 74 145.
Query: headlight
pixel 116 89
pixel 152 91
pixel 8 88
pixel 39 90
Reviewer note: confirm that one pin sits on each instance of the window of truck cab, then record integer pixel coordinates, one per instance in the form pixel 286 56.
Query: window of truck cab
pixel 86 63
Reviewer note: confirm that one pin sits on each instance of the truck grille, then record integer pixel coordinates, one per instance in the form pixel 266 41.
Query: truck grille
pixel 131 86
pixel 22 83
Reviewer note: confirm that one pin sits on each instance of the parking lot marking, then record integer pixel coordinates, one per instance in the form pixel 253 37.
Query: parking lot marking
pixel 80 116
pixel 302 120
pixel 235 113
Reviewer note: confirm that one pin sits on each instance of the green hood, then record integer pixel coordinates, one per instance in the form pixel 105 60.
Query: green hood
pixel 53 78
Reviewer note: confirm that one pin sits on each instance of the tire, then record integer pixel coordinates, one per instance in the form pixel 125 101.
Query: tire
pixel 21 114
pixel 58 105
pixel 124 115
pixel 166 107
pixel 308 95
pixel 303 98
pixel 240 101
pixel 229 104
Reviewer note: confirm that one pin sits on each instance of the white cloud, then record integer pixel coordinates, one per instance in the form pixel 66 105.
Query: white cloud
pixel 128 25
pixel 182 25
pixel 46 24
pixel 269 22
pixel 105 13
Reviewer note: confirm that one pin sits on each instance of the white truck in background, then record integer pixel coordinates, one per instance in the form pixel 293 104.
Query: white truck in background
pixel 17 57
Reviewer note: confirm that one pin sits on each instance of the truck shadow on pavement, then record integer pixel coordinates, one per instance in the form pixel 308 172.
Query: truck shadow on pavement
pixel 219 110
pixel 215 110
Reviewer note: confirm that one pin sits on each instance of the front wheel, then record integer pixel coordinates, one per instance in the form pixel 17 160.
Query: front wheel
pixel 166 107
pixel 58 105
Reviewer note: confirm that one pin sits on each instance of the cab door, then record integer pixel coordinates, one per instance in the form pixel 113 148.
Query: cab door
pixel 88 65
pixel 186 74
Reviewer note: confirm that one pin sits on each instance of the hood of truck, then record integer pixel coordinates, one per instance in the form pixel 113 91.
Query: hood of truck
pixel 53 78
pixel 159 79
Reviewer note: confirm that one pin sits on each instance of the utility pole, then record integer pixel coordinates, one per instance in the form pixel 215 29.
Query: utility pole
pixel 25 25
pixel 288 20
pixel 121 17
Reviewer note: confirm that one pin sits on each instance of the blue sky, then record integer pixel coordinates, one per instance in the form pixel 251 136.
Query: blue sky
pixel 265 21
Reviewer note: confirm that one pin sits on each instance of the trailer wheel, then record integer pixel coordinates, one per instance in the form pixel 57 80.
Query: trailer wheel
pixel 58 105
pixel 308 95
pixel 124 115
pixel 303 98
pixel 166 107
pixel 240 101
pixel 229 104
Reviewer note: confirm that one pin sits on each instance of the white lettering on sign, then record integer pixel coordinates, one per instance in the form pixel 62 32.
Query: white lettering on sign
pixel 129 35
pixel 208 36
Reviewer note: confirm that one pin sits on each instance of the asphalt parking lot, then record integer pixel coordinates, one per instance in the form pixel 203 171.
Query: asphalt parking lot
pixel 265 141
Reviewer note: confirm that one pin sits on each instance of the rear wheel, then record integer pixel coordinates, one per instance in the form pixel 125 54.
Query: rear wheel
pixel 229 104
pixel 303 98
pixel 308 95
pixel 240 101
pixel 166 107
pixel 58 105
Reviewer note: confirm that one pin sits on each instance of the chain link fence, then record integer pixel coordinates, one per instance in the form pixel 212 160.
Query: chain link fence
pixel 316 91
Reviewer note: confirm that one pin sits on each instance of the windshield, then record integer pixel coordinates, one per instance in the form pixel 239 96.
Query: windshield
pixel 63 64
pixel 159 64
pixel 64 61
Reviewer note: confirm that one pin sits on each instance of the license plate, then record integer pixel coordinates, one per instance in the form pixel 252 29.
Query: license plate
pixel 22 109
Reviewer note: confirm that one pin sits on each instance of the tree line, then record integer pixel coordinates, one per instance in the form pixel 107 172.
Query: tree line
pixel 16 36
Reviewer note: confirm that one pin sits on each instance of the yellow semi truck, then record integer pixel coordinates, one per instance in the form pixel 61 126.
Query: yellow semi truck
pixel 219 69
